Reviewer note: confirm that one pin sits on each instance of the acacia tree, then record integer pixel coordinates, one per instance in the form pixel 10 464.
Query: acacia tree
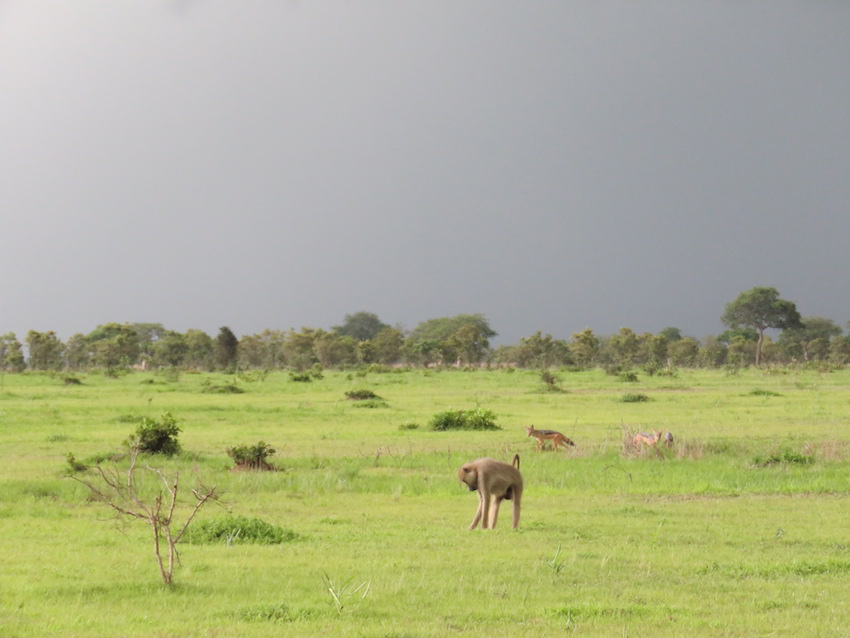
pixel 761 308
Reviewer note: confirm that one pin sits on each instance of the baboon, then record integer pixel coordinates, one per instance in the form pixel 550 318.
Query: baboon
pixel 668 439
pixel 644 438
pixel 494 481
pixel 542 435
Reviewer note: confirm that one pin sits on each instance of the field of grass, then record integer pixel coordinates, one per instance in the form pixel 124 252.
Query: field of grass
pixel 739 530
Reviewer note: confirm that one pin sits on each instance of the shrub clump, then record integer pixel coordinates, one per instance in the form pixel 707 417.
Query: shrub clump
pixel 758 392
pixel 252 457
pixel 221 388
pixel 634 398
pixel 477 419
pixel 156 436
pixel 361 395
pixel 238 529
pixel 314 373
pixel 785 458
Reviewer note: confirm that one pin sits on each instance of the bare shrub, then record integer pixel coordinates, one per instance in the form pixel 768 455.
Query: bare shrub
pixel 121 492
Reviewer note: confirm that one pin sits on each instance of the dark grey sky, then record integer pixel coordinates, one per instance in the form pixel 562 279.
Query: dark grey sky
pixel 554 164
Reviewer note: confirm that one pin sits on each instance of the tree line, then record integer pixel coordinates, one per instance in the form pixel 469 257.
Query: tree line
pixel 462 340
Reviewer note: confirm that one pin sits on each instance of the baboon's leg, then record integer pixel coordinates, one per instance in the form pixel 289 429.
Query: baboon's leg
pixel 517 499
pixel 478 513
pixel 494 513
pixel 485 512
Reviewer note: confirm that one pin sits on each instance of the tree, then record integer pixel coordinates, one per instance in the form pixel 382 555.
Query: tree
pixel 11 353
pixel 584 348
pixel 386 347
pixel 761 308
pixel 541 351
pixel 624 346
pixel 200 350
pixel 811 339
pixel 45 350
pixel 114 345
pixel 447 338
pixel 77 352
pixel 225 349
pixel 361 326
pixel 299 348
pixel 169 349
pixel 684 352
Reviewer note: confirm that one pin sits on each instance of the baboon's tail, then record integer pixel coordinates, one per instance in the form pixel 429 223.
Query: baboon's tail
pixel 516 461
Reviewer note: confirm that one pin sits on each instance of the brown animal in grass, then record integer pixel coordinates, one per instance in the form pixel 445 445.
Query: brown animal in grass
pixel 494 481
pixel 548 435
pixel 644 438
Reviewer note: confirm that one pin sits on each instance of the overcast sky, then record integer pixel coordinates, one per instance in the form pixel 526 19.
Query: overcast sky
pixel 554 165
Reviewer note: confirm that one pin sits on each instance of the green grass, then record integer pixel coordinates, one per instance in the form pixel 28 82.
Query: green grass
pixel 738 530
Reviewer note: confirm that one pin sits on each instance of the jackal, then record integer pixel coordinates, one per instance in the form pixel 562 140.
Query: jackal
pixel 542 435
pixel 644 438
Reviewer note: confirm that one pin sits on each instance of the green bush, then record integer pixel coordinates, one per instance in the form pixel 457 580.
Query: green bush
pixel 634 398
pixel 477 419
pixel 238 529
pixel 361 395
pixel 371 403
pixel 156 437
pixel 253 457
pixel 785 458
pixel 308 376
pixel 221 388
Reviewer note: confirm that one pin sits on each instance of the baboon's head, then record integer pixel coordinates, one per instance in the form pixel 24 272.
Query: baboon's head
pixel 469 475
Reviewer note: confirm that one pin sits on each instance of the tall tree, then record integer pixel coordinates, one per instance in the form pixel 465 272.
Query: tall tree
pixel 45 350
pixel 761 308
pixel 361 326
pixel 77 351
pixel 585 348
pixel 11 353
pixel 226 349
pixel 200 350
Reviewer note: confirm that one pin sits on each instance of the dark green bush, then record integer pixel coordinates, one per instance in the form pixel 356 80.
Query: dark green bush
pixel 783 458
pixel 477 419
pixel 156 437
pixel 221 388
pixel 238 529
pixel 360 395
pixel 634 398
pixel 253 457
pixel 758 392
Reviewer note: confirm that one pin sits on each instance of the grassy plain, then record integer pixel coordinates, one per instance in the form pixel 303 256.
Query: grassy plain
pixel 739 530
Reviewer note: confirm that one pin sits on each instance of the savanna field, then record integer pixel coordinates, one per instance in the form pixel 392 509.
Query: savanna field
pixel 739 529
